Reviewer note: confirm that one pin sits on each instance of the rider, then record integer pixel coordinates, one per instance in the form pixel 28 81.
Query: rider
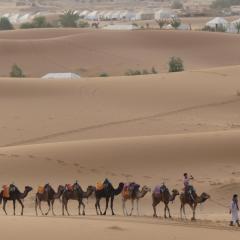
pixel 234 209
pixel 186 182
pixel 163 187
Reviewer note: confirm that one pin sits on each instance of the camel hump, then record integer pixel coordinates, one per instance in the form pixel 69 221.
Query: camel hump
pixel 6 193
pixel 99 186
pixel 40 189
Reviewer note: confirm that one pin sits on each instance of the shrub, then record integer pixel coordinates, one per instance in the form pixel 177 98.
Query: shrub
pixel 176 65
pixel 69 19
pixel 26 25
pixel 16 71
pixel 175 23
pixel 104 74
pixel 237 26
pixel 162 23
pixel 5 24
pixel 38 22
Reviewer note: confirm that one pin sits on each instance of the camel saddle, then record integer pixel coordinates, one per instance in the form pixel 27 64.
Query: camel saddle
pixel 125 192
pixel 6 193
pixel 69 187
pixel 41 189
pixel 99 186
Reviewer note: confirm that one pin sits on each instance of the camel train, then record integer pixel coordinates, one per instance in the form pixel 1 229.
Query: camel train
pixel 105 190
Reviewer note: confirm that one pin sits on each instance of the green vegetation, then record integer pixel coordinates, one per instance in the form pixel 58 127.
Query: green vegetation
pixel 5 24
pixel 69 19
pixel 219 28
pixel 176 64
pixel 162 23
pixel 16 71
pixel 237 26
pixel 132 72
pixel 103 74
pixel 175 23
pixel 38 22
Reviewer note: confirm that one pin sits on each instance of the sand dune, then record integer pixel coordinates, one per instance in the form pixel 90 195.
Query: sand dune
pixel 92 52
pixel 35 111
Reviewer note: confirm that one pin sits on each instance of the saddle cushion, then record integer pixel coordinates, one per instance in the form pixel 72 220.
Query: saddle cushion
pixel 99 186
pixel 40 189
pixel 6 191
pixel 157 190
pixel 69 187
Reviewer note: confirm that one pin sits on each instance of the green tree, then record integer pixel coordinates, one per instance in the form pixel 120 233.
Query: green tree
pixel 69 19
pixel 26 25
pixel 176 64
pixel 5 24
pixel 16 71
pixel 175 23
pixel 161 23
pixel 237 26
pixel 41 22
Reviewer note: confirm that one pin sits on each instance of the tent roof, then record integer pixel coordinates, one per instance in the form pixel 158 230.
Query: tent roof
pixel 217 20
pixel 61 76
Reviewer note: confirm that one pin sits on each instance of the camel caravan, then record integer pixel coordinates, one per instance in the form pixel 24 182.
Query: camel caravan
pixel 104 190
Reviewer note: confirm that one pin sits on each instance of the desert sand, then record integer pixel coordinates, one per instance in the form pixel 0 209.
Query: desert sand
pixel 91 52
pixel 147 129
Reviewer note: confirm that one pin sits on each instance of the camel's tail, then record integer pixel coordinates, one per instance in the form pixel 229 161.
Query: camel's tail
pixel 1 197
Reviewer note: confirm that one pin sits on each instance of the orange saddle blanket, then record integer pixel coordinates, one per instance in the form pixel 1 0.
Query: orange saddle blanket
pixel 40 189
pixel 99 186
pixel 6 191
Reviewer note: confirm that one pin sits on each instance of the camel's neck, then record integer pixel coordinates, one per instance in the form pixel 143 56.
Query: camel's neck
pixel 24 194
pixel 58 194
pixel 172 197
pixel 141 194
pixel 87 193
pixel 200 199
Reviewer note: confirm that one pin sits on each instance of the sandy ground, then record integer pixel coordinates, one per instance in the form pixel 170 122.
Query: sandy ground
pixel 91 52
pixel 147 129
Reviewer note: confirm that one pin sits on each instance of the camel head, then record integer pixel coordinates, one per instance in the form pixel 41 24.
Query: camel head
pixel 61 188
pixel 90 189
pixel 146 189
pixel 28 189
pixel 204 196
pixel 175 192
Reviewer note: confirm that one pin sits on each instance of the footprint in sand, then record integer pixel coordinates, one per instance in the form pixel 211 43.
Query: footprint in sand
pixel 61 162
pixel 48 159
pixel 31 156
pixel 76 164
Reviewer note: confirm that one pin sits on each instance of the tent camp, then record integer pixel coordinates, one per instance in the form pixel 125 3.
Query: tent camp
pixel 68 75
pixel 93 16
pixel 120 27
pixel 164 14
pixel 218 22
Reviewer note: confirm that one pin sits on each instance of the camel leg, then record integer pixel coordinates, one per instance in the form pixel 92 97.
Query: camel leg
pixel 63 206
pixel 49 206
pixel 165 211
pixel 4 206
pixel 181 209
pixel 36 206
pixel 79 207
pixel 52 203
pixel 184 212
pixel 83 212
pixel 194 212
pixel 112 199
pixel 14 207
pixel 96 207
pixel 124 207
pixel 66 207
pixel 138 207
pixel 169 214
pixel 40 207
pixel 154 209
pixel 20 202
pixel 107 201
pixel 132 208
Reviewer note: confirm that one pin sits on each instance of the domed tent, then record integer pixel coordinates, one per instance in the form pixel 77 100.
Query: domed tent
pixel 61 76
pixel 232 26
pixel 218 22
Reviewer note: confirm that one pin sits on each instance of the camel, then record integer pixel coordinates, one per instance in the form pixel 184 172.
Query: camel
pixel 49 196
pixel 107 192
pixel 137 195
pixel 192 201
pixel 14 196
pixel 78 194
pixel 165 197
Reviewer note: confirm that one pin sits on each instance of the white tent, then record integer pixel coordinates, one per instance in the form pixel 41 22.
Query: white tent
pixel 92 16
pixel 216 22
pixel 144 15
pixel 164 14
pixel 120 27
pixel 116 15
pixel 84 13
pixel 61 76
pixel 108 15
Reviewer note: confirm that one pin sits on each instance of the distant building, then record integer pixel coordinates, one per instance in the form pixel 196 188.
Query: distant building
pixel 61 76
